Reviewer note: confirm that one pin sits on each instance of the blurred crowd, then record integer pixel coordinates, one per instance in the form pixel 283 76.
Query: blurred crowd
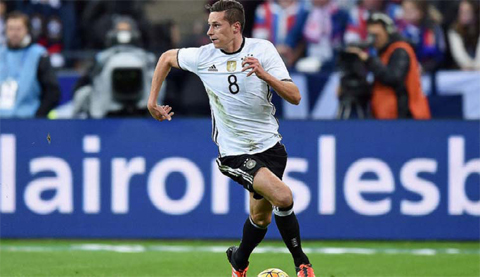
pixel 66 26
pixel 309 34
pixel 444 34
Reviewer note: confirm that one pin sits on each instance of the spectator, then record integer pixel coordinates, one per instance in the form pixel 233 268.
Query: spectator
pixel 357 25
pixel 98 16
pixel 53 23
pixel 426 35
pixel 3 11
pixel 29 86
pixel 322 29
pixel 119 82
pixel 447 10
pixel 397 90
pixel 347 4
pixel 274 19
pixel 125 31
pixel 464 36
pixel 250 7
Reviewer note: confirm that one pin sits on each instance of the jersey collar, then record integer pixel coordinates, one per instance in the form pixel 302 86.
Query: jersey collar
pixel 238 51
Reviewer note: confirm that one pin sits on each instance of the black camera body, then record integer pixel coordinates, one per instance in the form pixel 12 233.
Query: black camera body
pixel 354 86
pixel 353 74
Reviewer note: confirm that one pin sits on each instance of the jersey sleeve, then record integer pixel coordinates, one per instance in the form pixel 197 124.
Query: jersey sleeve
pixel 187 59
pixel 274 64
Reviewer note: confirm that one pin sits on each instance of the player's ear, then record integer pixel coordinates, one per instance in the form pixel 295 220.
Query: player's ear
pixel 237 27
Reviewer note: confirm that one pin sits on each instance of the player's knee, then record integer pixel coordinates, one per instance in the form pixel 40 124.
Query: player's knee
pixel 284 199
pixel 261 219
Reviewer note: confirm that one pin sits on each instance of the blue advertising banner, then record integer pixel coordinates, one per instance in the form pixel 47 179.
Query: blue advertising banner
pixel 145 179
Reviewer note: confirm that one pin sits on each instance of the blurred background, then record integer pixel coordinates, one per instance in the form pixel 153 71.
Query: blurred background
pixel 82 39
pixel 82 158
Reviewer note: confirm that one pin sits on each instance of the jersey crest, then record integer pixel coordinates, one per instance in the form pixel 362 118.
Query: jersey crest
pixel 231 66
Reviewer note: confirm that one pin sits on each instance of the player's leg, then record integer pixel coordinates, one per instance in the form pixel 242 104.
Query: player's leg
pixel 242 170
pixel 254 229
pixel 279 194
pixel 272 188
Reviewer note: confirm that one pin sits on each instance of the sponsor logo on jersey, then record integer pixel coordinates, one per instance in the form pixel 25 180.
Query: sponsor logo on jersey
pixel 213 68
pixel 231 66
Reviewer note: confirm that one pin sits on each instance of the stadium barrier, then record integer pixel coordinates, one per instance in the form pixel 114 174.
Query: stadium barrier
pixel 412 180
pixel 453 94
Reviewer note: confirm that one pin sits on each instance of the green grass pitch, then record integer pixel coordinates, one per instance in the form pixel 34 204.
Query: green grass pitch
pixel 162 258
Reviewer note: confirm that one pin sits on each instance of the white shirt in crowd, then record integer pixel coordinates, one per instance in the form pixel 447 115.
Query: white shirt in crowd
pixel 459 53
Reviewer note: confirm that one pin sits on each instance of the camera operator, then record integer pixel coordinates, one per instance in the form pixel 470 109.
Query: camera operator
pixel 396 91
pixel 118 84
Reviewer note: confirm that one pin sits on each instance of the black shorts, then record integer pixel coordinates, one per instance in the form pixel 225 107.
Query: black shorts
pixel 242 168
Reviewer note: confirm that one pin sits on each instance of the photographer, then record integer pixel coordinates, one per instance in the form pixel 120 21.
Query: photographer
pixel 397 91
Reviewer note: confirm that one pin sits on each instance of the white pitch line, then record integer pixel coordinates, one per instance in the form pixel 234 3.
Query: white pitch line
pixel 113 248
pixel 137 248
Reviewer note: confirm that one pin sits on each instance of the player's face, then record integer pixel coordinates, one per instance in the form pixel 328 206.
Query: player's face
pixel 220 32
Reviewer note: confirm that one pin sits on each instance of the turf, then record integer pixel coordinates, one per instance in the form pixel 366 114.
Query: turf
pixel 68 258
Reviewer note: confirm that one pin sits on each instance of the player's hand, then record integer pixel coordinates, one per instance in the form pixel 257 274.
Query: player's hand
pixel 253 64
pixel 161 113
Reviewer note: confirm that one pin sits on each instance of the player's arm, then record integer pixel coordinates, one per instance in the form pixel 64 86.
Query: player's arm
pixel 286 88
pixel 165 63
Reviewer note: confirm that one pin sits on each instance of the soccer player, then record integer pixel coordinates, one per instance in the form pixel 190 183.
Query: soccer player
pixel 237 73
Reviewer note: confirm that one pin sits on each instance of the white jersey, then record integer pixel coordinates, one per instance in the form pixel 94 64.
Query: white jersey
pixel 243 120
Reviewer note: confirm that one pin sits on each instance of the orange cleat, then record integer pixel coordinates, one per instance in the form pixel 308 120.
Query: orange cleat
pixel 305 270
pixel 239 273
pixel 235 272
